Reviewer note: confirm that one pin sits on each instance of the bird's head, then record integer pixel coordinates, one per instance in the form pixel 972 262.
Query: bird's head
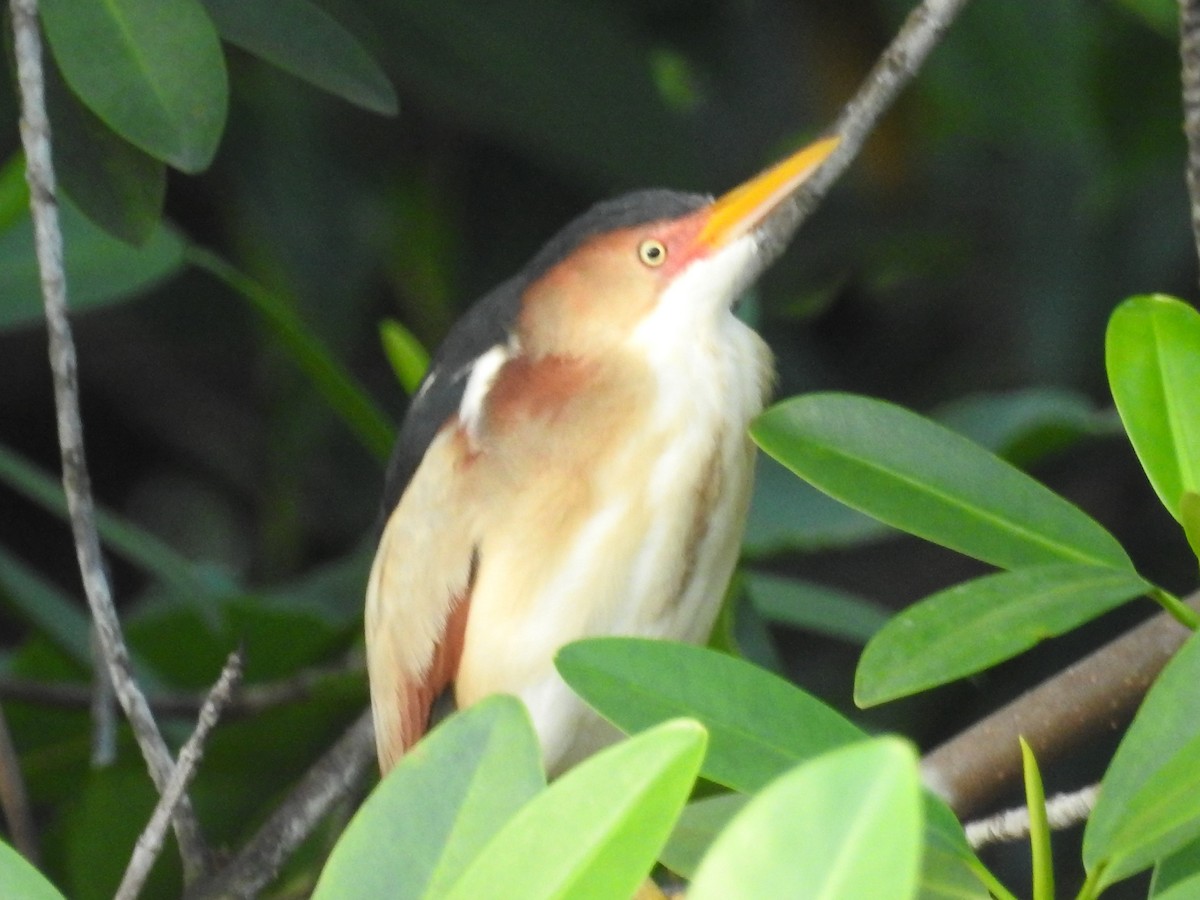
pixel 677 260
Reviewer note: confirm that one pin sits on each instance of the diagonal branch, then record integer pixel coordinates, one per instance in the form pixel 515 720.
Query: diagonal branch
pixel 149 845
pixel 35 137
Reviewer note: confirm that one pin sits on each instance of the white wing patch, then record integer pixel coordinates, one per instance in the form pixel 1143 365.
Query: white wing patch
pixel 483 373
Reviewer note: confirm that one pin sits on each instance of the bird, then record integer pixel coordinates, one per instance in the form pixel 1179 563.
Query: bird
pixel 576 460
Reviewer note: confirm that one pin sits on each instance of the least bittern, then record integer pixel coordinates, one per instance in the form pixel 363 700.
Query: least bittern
pixel 575 462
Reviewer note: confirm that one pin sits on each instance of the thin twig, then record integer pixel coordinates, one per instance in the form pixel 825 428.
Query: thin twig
pixel 14 799
pixel 149 845
pixel 326 784
pixel 39 170
pixel 923 30
pixel 1096 694
pixel 1189 52
pixel 247 700
pixel 103 706
pixel 1062 811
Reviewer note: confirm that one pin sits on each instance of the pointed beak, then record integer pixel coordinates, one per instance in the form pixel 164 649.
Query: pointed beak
pixel 750 206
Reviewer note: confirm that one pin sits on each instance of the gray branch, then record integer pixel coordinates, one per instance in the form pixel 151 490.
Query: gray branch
pixel 149 845
pixel 1063 811
pixel 35 137
pixel 1189 52
pixel 330 780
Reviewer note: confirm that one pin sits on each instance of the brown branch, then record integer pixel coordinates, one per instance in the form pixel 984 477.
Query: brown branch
pixel 1189 52
pixel 327 783
pixel 14 799
pixel 1099 693
pixel 43 201
pixel 247 700
pixel 149 845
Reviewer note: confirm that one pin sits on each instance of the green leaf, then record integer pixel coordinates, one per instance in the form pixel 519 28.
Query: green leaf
pixel 151 69
pixel 303 40
pixel 408 358
pixel 1147 806
pixel 759 725
pixel 971 626
pixel 116 185
pixel 916 475
pixel 696 830
pixel 814 607
pixel 45 608
pixel 21 880
pixel 1189 513
pixel 844 825
pixel 596 832
pixel 949 868
pixel 1152 351
pixel 436 810
pixel 100 268
pixel 1179 872
pixel 787 514
pixel 1039 826
pixel 1025 426
pixel 14 192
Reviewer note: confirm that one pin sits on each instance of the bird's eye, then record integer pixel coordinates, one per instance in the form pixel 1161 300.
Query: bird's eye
pixel 651 252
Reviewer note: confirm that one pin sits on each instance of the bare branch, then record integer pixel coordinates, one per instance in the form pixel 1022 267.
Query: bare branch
pixel 149 844
pixel 1098 693
pixel 103 706
pixel 1063 811
pixel 901 61
pixel 328 782
pixel 1189 52
pixel 35 137
pixel 14 800
pixel 246 701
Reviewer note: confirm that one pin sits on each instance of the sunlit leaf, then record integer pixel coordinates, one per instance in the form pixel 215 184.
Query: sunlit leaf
pixel 305 41
pixel 409 359
pixel 151 69
pixel 696 829
pixel 1039 826
pixel 428 819
pixel 847 824
pixel 100 268
pixel 1189 513
pixel 919 476
pixel 1147 806
pixel 759 725
pixel 1177 877
pixel 597 830
pixel 971 626
pixel 1152 352
pixel 21 880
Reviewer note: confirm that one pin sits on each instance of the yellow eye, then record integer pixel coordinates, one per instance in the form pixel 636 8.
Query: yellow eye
pixel 651 252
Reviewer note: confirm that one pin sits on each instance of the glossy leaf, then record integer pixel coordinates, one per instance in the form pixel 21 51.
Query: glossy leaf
pixel 596 832
pixel 971 626
pixel 1152 352
pixel 814 607
pixel 758 724
pixel 1025 426
pixel 408 358
pixel 151 69
pixel 303 40
pixel 1179 872
pixel 923 478
pixel 1147 806
pixel 1039 826
pixel 847 825
pixel 21 880
pixel 116 185
pixel 436 810
pixel 100 268
pixel 1189 511
pixel 696 830
pixel 787 514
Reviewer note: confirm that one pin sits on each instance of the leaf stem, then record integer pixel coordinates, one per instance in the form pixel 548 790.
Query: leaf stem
pixel 1179 611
